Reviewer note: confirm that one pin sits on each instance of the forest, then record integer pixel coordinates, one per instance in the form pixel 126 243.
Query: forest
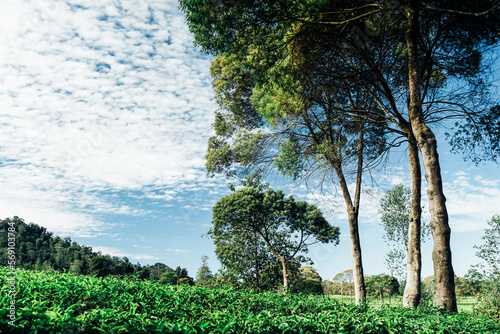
pixel 41 250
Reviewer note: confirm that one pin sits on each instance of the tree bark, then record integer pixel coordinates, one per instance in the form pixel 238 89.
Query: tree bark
pixel 285 275
pixel 441 254
pixel 412 293
pixel 353 213
pixel 256 259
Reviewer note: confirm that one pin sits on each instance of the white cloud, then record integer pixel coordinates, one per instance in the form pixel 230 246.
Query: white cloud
pixel 471 201
pixel 98 96
pixel 175 250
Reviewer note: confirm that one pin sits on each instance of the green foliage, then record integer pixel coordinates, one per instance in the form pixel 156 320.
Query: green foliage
pixel 234 140
pixel 63 303
pixel 268 222
pixel 489 252
pixel 343 283
pixel 379 286
pixel 101 266
pixel 308 282
pixel 309 287
pixel 39 249
pixel 168 278
pixel 478 138
pixel 288 161
pixel 185 281
pixel 309 272
pixel 204 276
pixel 144 273
pixel 395 210
pixel 395 260
pixel 489 300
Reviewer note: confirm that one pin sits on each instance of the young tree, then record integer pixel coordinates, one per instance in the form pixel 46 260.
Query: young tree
pixel 396 208
pixel 204 276
pixel 489 252
pixel 395 260
pixel 276 220
pixel 242 253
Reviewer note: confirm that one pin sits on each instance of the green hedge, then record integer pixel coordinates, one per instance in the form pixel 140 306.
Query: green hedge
pixel 53 302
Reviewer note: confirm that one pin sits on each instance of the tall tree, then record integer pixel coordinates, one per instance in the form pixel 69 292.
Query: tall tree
pixel 420 60
pixel 312 128
pixel 276 220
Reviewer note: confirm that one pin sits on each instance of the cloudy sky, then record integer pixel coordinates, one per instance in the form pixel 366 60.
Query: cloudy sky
pixel 105 111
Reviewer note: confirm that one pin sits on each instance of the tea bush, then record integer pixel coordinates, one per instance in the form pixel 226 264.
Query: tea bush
pixel 49 302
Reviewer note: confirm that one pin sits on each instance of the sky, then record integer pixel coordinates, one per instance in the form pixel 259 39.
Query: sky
pixel 105 112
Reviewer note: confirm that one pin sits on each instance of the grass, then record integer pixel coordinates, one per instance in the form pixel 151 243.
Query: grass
pixel 463 303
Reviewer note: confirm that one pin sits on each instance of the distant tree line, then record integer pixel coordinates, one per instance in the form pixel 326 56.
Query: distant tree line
pixel 39 249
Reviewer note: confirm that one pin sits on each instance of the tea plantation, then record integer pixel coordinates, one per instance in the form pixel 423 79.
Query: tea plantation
pixel 49 302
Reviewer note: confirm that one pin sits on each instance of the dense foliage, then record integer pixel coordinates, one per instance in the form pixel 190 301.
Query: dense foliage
pixel 50 302
pixel 39 249
pixel 489 252
pixel 256 220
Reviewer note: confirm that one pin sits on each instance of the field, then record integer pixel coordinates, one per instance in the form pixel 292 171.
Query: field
pixel 463 303
pixel 54 302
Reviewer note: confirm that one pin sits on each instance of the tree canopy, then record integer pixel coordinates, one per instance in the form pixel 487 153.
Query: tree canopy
pixel 286 226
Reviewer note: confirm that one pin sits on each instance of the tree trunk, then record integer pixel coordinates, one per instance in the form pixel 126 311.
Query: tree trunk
pixel 357 265
pixel 441 254
pixel 285 275
pixel 353 213
pixel 412 293
pixel 256 258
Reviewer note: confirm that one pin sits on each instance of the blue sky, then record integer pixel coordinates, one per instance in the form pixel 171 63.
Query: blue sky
pixel 105 111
